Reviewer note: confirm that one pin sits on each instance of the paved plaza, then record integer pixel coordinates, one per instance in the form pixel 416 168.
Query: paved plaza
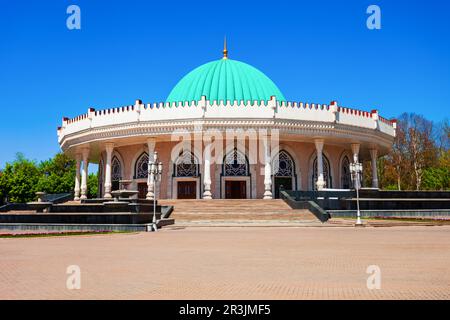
pixel 232 263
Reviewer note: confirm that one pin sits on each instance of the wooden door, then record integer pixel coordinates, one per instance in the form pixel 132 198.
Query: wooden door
pixel 235 189
pixel 186 190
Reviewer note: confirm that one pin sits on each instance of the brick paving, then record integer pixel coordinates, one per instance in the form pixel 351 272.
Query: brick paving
pixel 232 263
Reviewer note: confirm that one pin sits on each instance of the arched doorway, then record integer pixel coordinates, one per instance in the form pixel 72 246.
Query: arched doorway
pixel 186 176
pixel 283 173
pixel 326 173
pixel 141 173
pixel 116 173
pixel 235 176
pixel 345 173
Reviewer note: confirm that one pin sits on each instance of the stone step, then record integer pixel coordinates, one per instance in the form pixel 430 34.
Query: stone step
pixel 245 223
pixel 227 201
pixel 304 215
pixel 72 202
pixel 224 212
pixel 229 205
pixel 239 213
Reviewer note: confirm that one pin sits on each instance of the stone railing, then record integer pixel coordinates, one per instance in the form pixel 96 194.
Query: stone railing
pixel 205 109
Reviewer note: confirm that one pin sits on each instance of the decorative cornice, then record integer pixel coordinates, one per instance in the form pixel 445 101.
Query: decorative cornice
pixel 286 126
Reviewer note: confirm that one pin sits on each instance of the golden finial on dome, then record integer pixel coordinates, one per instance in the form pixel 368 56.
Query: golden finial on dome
pixel 225 51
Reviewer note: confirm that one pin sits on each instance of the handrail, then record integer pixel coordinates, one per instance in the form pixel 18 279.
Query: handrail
pixel 310 205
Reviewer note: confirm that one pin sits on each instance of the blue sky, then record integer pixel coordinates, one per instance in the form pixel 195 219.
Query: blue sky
pixel 315 51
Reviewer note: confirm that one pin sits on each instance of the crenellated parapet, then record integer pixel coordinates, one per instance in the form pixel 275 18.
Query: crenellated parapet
pixel 202 110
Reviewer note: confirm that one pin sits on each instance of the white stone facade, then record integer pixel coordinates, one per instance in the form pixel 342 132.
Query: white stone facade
pixel 318 138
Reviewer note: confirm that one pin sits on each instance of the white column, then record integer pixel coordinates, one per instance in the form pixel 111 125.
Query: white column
pixel 77 177
pixel 151 142
pixel 355 151
pixel 374 156
pixel 108 184
pixel 84 174
pixel 267 169
pixel 319 149
pixel 207 172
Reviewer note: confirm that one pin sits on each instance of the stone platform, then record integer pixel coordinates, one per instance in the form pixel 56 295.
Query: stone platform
pixel 90 215
pixel 373 203
pixel 79 218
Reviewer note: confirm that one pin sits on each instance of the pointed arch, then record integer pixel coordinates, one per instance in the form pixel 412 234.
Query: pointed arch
pixel 116 172
pixel 186 165
pixel 326 172
pixel 345 173
pixel 236 178
pixel 235 164
pixel 172 178
pixel 283 164
pixel 141 166
pixel 284 173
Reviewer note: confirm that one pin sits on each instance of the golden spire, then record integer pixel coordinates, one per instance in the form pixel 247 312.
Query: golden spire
pixel 225 51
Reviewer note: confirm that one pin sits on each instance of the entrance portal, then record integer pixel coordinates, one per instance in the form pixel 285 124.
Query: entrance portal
pixel 235 189
pixel 186 190
pixel 142 189
pixel 286 182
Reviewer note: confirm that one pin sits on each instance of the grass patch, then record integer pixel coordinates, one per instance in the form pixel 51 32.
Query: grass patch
pixel 58 234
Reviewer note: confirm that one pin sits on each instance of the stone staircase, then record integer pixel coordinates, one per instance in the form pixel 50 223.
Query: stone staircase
pixel 230 212
pixel 72 202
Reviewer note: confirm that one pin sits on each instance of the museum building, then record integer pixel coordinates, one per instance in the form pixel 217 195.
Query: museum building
pixel 316 142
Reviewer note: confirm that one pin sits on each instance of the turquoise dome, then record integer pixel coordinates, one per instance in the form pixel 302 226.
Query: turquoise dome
pixel 225 79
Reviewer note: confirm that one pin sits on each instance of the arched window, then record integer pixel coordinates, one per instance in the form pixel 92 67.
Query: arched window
pixel 345 173
pixel 186 165
pixel 235 164
pixel 116 169
pixel 284 173
pixel 116 173
pixel 141 167
pixel 326 173
pixel 284 167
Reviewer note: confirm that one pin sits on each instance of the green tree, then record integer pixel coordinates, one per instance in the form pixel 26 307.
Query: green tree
pixel 436 178
pixel 2 188
pixel 19 179
pixel 420 156
pixel 57 174
pixel 92 185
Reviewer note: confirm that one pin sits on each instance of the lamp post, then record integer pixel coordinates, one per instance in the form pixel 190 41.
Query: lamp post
pixel 356 170
pixel 155 169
